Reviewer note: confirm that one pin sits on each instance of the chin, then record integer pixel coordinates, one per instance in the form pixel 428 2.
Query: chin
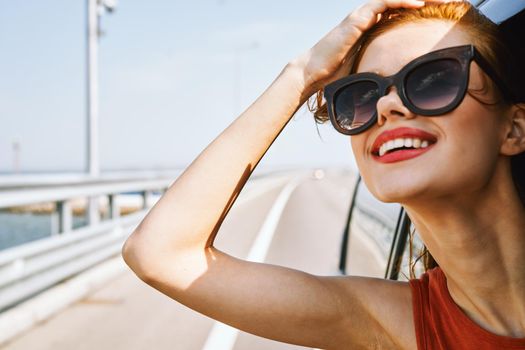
pixel 398 191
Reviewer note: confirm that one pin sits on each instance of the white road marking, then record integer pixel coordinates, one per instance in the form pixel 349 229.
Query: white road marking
pixel 223 336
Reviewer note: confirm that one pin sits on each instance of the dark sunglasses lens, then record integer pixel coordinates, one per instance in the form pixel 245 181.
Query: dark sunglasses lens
pixel 355 104
pixel 435 84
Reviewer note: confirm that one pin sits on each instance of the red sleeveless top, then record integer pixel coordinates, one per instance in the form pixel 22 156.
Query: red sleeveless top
pixel 440 323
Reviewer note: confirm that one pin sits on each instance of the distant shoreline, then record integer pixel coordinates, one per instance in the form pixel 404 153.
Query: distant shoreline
pixel 127 204
pixel 49 208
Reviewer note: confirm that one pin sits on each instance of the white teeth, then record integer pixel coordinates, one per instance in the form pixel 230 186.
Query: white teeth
pixel 402 142
pixel 382 150
pixel 399 143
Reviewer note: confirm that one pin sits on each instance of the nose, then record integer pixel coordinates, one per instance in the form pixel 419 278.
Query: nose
pixel 391 107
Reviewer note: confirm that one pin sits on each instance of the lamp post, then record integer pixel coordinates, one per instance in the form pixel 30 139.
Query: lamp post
pixel 95 8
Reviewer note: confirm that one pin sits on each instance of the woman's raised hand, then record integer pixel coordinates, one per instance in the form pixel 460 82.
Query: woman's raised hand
pixel 328 60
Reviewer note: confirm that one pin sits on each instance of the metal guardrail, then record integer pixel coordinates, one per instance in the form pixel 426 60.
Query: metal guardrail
pixel 30 268
pixel 63 195
pixel 33 267
pixel 24 181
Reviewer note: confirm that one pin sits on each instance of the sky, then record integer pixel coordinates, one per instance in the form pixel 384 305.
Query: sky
pixel 172 76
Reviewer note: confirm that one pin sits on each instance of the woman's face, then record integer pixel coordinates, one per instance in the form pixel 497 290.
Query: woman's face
pixel 468 138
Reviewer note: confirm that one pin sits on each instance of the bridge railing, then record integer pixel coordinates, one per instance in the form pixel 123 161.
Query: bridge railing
pixel 32 267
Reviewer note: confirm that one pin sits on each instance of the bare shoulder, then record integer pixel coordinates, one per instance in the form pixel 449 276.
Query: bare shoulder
pixel 385 307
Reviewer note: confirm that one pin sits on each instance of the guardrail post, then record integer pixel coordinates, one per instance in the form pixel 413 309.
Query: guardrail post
pixel 65 216
pixel 55 221
pixel 93 216
pixel 114 210
pixel 145 195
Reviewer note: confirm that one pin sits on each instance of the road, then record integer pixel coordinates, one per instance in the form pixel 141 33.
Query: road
pixel 128 314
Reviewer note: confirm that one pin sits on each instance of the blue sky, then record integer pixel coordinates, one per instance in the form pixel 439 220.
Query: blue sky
pixel 168 72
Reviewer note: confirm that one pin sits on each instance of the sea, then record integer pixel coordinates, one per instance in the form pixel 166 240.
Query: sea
pixel 18 228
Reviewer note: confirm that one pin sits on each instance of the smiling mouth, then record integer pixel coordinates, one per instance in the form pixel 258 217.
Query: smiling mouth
pixel 402 153
pixel 402 144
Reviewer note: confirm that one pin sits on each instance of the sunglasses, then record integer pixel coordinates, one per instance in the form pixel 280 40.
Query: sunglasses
pixel 430 85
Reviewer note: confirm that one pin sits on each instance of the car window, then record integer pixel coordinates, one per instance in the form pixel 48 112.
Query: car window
pixel 500 10
pixel 371 232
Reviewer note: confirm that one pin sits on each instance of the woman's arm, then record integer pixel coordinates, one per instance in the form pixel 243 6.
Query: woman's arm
pixel 172 248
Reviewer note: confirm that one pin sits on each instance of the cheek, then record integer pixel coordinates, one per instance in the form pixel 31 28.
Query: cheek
pixel 470 141
pixel 473 123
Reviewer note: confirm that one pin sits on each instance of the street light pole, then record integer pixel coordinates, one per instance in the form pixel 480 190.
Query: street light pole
pixel 94 9
pixel 92 89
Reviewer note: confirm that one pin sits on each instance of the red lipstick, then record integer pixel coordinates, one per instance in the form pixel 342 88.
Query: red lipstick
pixel 402 154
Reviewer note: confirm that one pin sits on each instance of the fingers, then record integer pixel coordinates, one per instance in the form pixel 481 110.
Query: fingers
pixel 444 1
pixel 366 15
pixel 382 5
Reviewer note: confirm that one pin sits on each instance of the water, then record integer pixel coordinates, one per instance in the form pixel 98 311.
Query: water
pixel 19 228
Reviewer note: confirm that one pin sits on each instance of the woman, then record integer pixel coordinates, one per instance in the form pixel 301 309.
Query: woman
pixel 457 188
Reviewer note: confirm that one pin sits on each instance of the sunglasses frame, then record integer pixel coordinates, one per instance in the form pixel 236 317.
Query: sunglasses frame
pixel 463 54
